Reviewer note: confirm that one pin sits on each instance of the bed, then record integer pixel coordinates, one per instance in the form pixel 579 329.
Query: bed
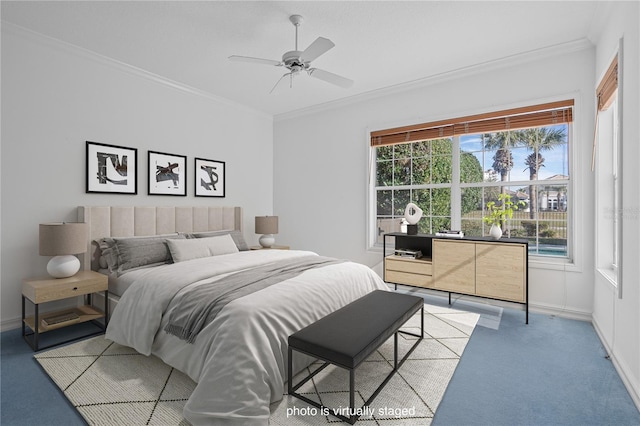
pixel 238 355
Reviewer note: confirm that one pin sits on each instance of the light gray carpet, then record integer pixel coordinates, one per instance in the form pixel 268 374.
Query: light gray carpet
pixel 111 384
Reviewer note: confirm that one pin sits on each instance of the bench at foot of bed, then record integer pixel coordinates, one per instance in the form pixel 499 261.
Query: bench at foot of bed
pixel 348 336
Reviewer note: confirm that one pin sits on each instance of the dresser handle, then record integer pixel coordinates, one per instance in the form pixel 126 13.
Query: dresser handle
pixel 75 288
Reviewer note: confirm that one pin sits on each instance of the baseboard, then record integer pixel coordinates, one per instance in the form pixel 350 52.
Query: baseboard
pixel 561 312
pixel 620 368
pixel 533 307
pixel 10 324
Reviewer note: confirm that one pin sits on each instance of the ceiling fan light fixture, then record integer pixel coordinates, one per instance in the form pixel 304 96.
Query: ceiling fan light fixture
pixel 296 19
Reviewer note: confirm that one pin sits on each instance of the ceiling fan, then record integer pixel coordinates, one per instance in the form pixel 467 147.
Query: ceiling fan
pixel 297 61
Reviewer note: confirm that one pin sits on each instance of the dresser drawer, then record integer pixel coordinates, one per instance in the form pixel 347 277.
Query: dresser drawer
pixel 413 266
pixel 418 280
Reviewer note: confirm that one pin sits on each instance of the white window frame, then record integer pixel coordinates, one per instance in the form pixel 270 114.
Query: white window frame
pixel 456 187
pixel 607 194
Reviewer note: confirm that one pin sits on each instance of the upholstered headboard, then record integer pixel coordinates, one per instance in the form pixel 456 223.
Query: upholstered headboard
pixel 129 221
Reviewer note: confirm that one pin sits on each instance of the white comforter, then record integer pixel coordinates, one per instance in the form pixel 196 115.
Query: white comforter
pixel 239 360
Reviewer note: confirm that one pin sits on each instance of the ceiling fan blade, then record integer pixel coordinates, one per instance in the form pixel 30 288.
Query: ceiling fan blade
pixel 320 46
pixel 254 60
pixel 330 78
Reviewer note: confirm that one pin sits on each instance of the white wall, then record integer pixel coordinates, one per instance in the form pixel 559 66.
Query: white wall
pixel 618 320
pixel 55 97
pixel 321 160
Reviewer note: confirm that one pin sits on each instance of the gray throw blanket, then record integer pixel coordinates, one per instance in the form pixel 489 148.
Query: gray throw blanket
pixel 196 308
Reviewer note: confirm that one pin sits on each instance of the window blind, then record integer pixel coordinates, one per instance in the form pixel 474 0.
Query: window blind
pixel 498 121
pixel 605 95
pixel 608 86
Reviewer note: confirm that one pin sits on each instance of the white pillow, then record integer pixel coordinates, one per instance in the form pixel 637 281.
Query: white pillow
pixel 182 250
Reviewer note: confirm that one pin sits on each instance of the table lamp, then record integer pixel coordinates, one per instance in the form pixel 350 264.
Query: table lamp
pixel 267 226
pixel 63 240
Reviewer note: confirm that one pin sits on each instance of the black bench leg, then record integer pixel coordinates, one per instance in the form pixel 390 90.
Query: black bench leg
pixel 352 400
pixel 395 351
pixel 290 370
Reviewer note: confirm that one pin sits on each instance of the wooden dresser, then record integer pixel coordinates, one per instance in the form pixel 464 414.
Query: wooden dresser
pixel 475 266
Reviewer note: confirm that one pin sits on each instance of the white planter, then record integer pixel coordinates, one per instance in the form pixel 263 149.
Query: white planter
pixel 495 232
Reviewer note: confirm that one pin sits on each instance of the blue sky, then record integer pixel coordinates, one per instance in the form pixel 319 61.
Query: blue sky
pixel 556 160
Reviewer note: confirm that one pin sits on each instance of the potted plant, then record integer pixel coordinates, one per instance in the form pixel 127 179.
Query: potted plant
pixel 497 215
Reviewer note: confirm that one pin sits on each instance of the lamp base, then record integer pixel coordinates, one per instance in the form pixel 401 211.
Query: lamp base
pixel 266 240
pixel 63 266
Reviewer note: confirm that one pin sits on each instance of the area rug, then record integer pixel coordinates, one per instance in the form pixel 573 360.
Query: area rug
pixel 110 384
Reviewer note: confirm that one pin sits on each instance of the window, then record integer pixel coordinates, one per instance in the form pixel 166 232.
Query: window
pixel 451 169
pixel 420 172
pixel 607 180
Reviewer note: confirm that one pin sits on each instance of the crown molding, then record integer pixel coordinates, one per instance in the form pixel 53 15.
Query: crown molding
pixel 508 61
pixel 90 55
pixel 483 67
pixel 601 14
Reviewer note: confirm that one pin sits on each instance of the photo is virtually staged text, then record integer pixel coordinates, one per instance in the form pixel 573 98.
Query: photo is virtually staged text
pixel 363 412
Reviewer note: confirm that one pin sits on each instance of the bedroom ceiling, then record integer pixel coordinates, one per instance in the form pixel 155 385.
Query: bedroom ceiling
pixel 378 44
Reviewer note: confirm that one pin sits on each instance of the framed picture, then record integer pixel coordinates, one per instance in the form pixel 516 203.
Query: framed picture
pixel 209 178
pixel 112 169
pixel 167 174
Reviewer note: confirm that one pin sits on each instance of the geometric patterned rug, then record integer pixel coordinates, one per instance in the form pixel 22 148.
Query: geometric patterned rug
pixel 113 385
pixel 110 384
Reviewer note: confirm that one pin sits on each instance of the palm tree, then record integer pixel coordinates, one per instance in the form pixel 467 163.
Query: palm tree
pixel 538 139
pixel 502 142
pixel 503 163
pixel 533 162
pixel 502 159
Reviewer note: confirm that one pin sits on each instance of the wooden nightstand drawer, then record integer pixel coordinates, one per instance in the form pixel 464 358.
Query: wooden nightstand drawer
pixel 47 289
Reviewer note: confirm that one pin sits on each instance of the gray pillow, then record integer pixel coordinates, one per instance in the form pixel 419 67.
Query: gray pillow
pixel 122 254
pixel 195 248
pixel 237 236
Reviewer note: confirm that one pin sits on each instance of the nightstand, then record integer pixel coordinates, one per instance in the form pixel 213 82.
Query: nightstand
pixel 273 247
pixel 43 290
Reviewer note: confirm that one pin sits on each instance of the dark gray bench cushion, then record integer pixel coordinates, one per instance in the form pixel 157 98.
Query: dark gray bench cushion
pixel 349 335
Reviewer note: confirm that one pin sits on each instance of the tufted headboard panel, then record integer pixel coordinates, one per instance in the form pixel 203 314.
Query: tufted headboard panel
pixel 130 221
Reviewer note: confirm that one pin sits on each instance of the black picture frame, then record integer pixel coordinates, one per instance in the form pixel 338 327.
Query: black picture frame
pixel 111 169
pixel 167 174
pixel 210 178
